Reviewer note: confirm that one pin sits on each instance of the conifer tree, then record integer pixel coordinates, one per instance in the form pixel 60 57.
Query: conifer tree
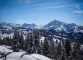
pixel 29 43
pixel 53 49
pixel 75 52
pixel 67 47
pixel 46 47
pixel 0 41
pixel 36 41
pixel 15 44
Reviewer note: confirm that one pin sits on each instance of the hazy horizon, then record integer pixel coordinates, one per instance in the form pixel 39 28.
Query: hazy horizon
pixel 41 12
pixel 40 24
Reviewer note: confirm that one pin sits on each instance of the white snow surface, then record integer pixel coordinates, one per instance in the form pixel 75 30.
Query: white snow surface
pixel 77 29
pixel 54 39
pixel 61 28
pixel 39 26
pixel 4 49
pixel 6 35
pixel 21 55
pixel 42 39
pixel 25 56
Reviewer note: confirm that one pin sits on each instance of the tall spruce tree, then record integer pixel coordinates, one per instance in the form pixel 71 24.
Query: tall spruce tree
pixel 21 41
pixel 46 47
pixel 15 44
pixel 67 47
pixel 54 50
pixel 29 43
pixel 75 52
pixel 36 41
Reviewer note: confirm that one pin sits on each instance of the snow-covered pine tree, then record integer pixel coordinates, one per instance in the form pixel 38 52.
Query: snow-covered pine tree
pixel 75 52
pixel 81 52
pixel 36 42
pixel 63 54
pixel 15 44
pixel 0 41
pixel 59 50
pixel 26 42
pixel 21 42
pixel 53 49
pixel 7 39
pixel 29 43
pixel 67 47
pixel 46 48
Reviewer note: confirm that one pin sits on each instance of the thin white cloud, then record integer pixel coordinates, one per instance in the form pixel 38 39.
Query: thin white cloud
pixel 69 15
pixel 79 11
pixel 77 6
pixel 27 1
pixel 51 3
pixel 59 6
pixel 20 21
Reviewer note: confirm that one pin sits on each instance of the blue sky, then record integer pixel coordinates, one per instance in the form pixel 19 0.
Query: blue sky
pixel 41 12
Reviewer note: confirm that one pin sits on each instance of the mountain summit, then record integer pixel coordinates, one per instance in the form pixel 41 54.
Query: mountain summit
pixel 56 24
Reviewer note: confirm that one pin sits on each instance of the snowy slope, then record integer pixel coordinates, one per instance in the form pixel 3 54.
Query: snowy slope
pixel 61 28
pixel 5 49
pixel 20 55
pixel 25 56
pixel 78 29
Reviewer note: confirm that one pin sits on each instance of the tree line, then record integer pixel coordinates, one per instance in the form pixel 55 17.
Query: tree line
pixel 63 50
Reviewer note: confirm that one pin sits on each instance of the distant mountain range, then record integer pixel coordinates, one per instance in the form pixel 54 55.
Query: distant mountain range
pixel 53 25
pixel 56 27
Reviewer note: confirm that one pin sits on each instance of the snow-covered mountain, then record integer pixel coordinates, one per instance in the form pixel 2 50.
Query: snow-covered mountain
pixel 62 27
pixel 12 25
pixel 77 29
pixel 30 26
pixel 4 25
pixel 56 25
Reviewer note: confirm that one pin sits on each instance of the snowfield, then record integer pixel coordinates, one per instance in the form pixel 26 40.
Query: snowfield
pixel 5 49
pixel 25 56
pixel 20 55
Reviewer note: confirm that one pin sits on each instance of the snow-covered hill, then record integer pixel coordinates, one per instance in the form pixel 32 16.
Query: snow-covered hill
pixel 26 56
pixel 19 55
